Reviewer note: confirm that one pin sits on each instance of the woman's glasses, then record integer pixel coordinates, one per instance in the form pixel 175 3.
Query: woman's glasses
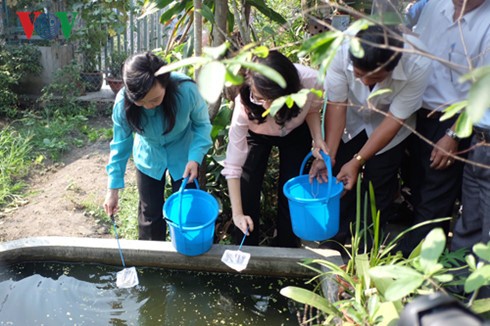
pixel 257 102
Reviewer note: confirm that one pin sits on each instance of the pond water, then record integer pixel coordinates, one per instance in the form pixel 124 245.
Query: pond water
pixel 46 293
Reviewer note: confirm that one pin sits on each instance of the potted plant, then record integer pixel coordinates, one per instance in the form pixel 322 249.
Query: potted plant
pixel 100 20
pixel 114 70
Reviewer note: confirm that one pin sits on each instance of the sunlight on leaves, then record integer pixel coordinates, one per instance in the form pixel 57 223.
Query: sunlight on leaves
pixel 482 250
pixel 180 64
pixel 379 92
pixel 275 106
pixel 216 52
pixel 403 287
pixel 432 248
pixel 477 279
pixel 481 306
pixel 453 109
pixel 356 48
pixel 232 78
pixel 479 99
pixel 464 127
pixel 263 69
pixel 211 81
pixel 261 51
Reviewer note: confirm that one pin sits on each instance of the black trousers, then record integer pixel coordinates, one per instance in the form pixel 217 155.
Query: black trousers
pixel 151 225
pixel 434 192
pixel 292 150
pixel 381 170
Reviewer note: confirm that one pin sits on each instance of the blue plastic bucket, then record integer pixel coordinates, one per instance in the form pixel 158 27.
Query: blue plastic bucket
pixel 314 207
pixel 191 215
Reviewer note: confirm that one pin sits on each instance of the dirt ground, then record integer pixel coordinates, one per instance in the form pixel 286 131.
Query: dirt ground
pixel 56 204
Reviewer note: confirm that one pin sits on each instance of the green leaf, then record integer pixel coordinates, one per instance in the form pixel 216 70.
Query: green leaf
pixel 379 92
pixel 356 48
pixel 261 51
pixel 478 99
pixel 191 61
pixel 276 105
pixel 310 298
pixel 393 272
pixel 221 120
pixel 358 25
pixel 453 109
pixel 300 97
pixel 481 306
pixel 217 51
pixel 464 126
pixel 444 278
pixel 482 250
pixel 432 249
pixel 267 11
pixel 207 13
pixel 475 74
pixel 403 287
pixel 263 69
pixel 233 79
pixel 211 80
pixel 362 269
pixel 174 10
pixel 477 279
pixel 319 41
pixel 471 261
pixel 389 314
pixel 289 101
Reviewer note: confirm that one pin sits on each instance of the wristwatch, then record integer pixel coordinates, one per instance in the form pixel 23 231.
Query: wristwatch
pixel 359 158
pixel 452 134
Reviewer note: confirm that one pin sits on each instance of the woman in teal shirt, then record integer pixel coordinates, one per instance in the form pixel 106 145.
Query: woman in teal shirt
pixel 164 122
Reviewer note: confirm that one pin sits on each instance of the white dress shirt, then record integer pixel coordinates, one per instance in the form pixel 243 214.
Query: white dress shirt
pixel 407 83
pixel 450 41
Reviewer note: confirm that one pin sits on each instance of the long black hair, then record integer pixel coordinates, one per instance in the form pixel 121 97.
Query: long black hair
pixel 139 77
pixel 269 88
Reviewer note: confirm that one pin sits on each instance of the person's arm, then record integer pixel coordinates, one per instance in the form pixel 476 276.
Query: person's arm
pixel 236 155
pixel 201 131
pixel 380 137
pixel 120 151
pixel 313 120
pixel 239 219
pixel 335 120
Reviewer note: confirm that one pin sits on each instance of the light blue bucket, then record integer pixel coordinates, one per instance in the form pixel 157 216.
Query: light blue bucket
pixel 314 207
pixel 191 215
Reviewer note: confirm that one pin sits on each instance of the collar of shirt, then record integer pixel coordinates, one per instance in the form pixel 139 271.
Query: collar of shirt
pixel 469 18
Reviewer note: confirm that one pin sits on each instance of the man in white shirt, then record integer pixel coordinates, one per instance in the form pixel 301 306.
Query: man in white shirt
pixel 458 34
pixel 367 134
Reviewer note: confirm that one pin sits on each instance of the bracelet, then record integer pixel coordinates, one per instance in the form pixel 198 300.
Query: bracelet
pixel 452 134
pixel 359 158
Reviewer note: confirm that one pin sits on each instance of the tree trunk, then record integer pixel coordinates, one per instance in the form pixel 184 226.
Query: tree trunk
pixel 220 17
pixel 197 29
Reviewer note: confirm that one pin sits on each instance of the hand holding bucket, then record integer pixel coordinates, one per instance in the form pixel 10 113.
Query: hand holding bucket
pixel 314 206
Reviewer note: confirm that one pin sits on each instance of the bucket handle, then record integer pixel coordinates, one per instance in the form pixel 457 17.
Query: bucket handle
pixel 328 163
pixel 181 191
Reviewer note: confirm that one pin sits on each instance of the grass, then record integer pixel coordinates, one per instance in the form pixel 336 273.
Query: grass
pixel 38 138
pixel 13 164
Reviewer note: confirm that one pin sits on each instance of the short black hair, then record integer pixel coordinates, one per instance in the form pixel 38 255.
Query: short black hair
pixel 375 56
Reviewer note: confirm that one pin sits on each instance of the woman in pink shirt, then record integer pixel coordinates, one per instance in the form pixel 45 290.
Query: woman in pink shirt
pixel 252 137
